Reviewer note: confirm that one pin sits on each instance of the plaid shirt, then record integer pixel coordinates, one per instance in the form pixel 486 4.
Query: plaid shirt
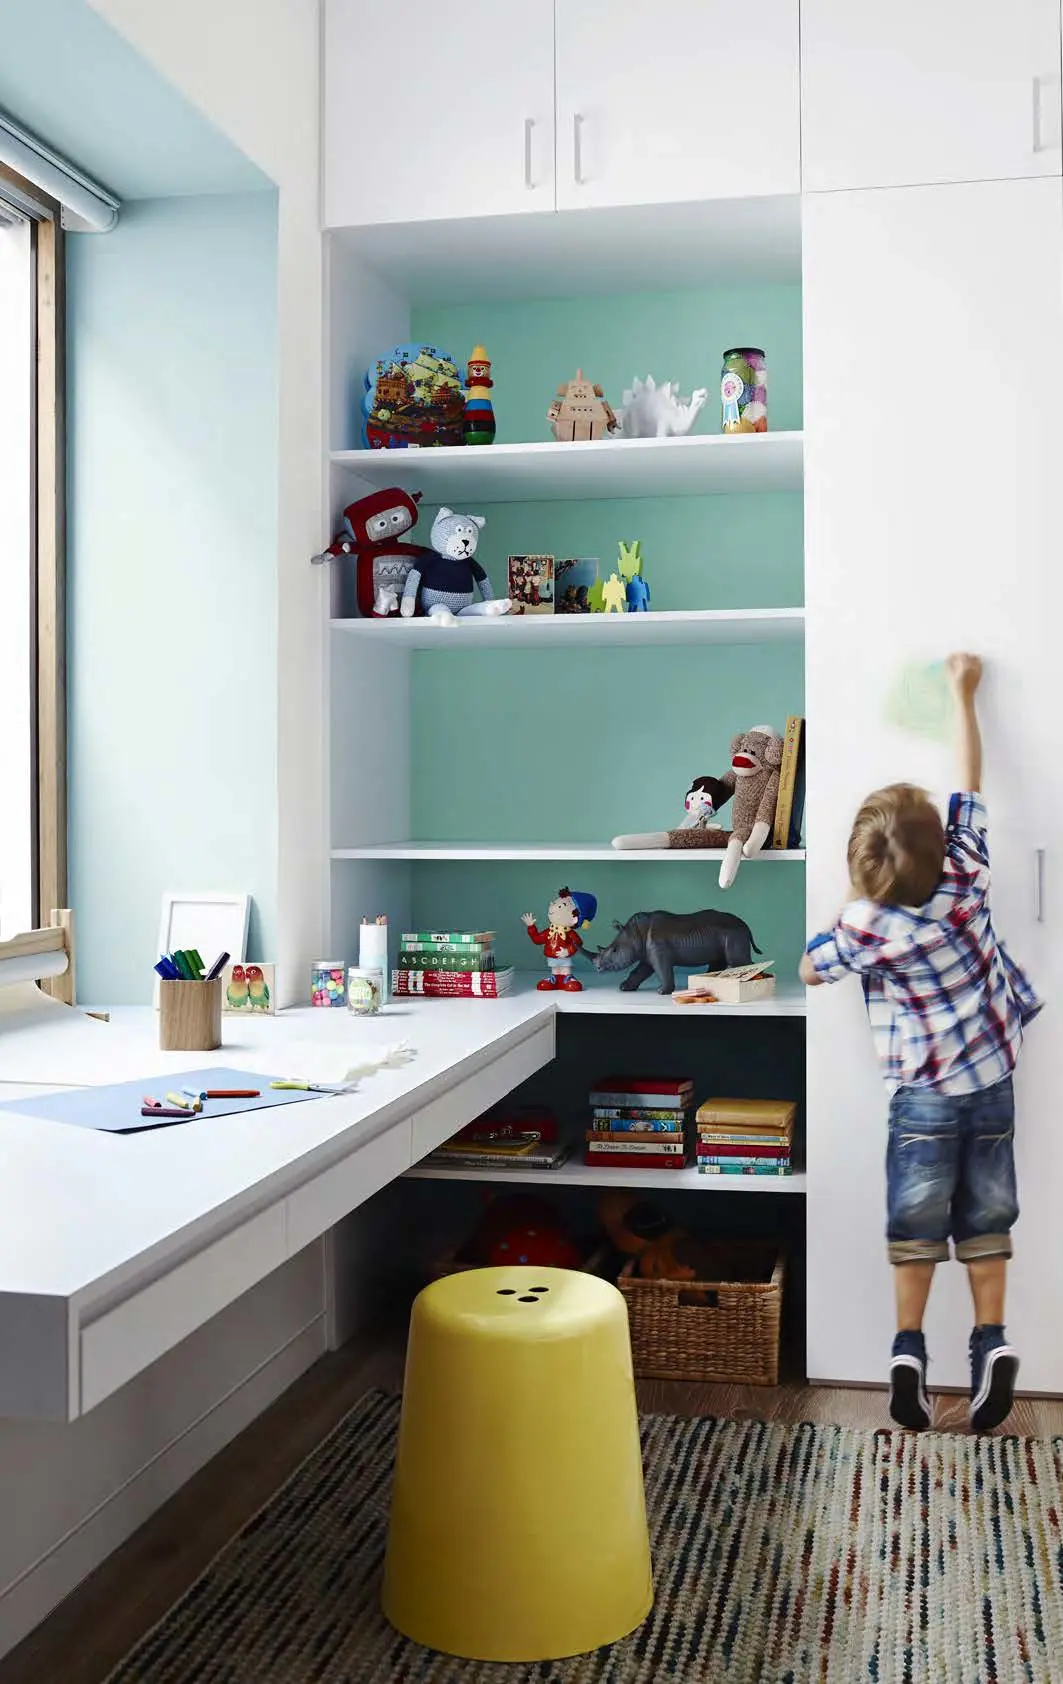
pixel 947 1004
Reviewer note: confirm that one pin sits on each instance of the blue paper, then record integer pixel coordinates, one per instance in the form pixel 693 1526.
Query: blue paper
pixel 116 1109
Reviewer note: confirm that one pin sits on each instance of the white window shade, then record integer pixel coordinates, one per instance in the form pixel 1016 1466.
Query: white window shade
pixel 87 207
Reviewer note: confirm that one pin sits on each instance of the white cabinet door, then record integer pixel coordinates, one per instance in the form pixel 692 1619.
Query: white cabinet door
pixel 933 356
pixel 434 111
pixel 678 100
pixel 922 91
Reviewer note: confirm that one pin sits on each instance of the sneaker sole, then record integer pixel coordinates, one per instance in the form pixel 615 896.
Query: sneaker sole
pixel 996 1395
pixel 909 1405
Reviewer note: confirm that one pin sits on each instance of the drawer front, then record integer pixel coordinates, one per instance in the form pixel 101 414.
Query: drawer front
pixel 332 1195
pixel 444 1116
pixel 135 1333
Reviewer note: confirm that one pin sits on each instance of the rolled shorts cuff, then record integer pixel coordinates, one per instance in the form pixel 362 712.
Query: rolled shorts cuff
pixel 983 1245
pixel 918 1251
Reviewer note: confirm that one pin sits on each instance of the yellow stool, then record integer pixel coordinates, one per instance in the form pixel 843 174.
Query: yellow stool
pixel 518 1522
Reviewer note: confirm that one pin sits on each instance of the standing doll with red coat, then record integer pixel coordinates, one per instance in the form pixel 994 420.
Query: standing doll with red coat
pixel 569 913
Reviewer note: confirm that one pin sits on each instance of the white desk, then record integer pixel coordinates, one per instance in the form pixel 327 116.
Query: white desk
pixel 115 1248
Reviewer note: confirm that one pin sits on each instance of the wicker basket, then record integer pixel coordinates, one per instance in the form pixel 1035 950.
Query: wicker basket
pixel 706 1330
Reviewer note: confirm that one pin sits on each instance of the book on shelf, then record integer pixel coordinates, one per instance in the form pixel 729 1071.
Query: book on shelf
pixel 467 948
pixel 748 1150
pixel 642 1093
pixel 797 813
pixel 546 1155
pixel 632 1160
pixel 793 737
pixel 619 1129
pixel 447 959
pixel 449 938
pixel 640 1148
pixel 630 1117
pixel 745 1169
pixel 487 985
pixel 746 1137
pixel 748 1160
pixel 747 1115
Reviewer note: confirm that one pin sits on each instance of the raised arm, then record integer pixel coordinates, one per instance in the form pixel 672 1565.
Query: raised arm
pixel 965 674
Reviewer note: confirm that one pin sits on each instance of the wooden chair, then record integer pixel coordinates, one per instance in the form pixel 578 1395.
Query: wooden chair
pixel 43 956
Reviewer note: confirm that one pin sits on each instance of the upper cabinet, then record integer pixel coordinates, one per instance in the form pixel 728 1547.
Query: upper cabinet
pixel 445 111
pixel 676 100
pixel 926 91
pixel 434 111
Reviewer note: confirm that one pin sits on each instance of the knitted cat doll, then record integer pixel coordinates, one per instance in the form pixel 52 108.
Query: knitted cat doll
pixel 449 577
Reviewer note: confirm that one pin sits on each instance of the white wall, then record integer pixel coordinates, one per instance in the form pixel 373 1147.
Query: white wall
pixel 251 67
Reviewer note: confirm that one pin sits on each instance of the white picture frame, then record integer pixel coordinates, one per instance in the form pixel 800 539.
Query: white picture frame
pixel 212 923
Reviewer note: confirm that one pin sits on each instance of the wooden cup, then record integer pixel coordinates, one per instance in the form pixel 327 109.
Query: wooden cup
pixel 190 1016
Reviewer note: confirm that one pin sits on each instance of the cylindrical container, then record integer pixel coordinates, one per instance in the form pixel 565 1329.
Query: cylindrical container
pixel 190 1016
pixel 328 983
pixel 373 953
pixel 744 390
pixel 365 990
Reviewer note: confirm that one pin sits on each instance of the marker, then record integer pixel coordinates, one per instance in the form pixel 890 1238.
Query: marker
pixel 215 971
pixel 163 1111
pixel 232 1093
pixel 184 969
pixel 167 969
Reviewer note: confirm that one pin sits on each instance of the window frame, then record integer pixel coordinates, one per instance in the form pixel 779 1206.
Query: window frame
pixel 48 538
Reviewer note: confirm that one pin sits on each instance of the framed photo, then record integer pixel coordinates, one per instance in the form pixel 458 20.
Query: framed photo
pixel 531 584
pixel 576 578
pixel 249 990
pixel 211 923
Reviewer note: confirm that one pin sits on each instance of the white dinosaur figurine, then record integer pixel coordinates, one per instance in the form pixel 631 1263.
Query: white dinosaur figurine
pixel 650 411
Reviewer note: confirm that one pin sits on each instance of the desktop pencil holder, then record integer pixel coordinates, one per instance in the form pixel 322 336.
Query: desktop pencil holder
pixel 190 1016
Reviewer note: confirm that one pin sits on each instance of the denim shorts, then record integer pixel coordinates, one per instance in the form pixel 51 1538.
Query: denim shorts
pixel 950 1174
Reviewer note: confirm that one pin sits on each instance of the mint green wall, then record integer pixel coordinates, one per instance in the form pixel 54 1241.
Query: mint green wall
pixel 172 423
pixel 672 335
pixel 525 746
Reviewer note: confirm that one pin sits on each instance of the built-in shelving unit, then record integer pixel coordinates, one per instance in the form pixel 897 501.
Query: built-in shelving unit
pixel 709 626
pixel 577 1174
pixel 576 852
pixel 703 465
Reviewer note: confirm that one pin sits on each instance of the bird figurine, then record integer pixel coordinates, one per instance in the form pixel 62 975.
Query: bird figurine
pixel 236 992
pixel 257 988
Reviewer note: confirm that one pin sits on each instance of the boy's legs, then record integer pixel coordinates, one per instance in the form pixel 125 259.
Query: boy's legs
pixel 922 1160
pixel 986 1207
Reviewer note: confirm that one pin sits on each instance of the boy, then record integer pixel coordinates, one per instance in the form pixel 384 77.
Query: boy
pixel 948 1008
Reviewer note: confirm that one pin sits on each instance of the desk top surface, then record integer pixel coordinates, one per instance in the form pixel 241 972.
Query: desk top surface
pixel 79 1206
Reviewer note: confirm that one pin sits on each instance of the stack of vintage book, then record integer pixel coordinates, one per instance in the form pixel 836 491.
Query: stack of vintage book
pixel 448 964
pixel 746 1136
pixel 790 802
pixel 504 1139
pixel 640 1122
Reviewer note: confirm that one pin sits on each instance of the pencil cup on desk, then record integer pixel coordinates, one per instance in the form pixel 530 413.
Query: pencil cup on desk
pixel 190 1016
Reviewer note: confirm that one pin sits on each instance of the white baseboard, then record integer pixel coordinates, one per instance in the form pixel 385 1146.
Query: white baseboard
pixel 51 1578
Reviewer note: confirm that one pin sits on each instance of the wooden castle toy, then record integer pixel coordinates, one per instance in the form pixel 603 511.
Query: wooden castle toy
pixel 580 411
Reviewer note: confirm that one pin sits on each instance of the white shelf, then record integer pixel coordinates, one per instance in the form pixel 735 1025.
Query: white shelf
pixel 601 996
pixel 574 851
pixel 703 465
pixel 577 1174
pixel 595 631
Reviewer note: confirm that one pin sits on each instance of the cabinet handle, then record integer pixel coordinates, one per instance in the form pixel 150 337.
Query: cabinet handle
pixel 577 147
pixel 529 125
pixel 1039 885
pixel 1040 143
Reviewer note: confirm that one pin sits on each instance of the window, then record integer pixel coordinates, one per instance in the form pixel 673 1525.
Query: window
pixel 32 691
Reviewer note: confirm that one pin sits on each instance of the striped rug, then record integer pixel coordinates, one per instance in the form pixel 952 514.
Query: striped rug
pixel 783 1556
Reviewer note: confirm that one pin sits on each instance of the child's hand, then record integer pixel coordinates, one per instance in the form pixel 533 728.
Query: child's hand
pixel 965 673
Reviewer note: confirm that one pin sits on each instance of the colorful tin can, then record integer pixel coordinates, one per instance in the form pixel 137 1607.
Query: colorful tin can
pixel 327 983
pixel 744 390
pixel 365 990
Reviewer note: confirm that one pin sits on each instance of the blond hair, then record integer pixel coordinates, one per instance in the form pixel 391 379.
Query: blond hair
pixel 897 847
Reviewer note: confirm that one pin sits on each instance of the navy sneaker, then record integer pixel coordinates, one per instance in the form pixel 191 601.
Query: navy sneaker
pixel 994 1368
pixel 909 1405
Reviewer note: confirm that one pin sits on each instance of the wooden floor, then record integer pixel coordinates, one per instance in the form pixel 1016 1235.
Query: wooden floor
pixel 89 1634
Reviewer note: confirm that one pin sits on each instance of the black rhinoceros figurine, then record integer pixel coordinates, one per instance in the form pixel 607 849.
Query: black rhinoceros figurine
pixel 656 942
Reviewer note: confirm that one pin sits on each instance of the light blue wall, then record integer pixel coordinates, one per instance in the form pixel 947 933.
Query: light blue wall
pixel 172 439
